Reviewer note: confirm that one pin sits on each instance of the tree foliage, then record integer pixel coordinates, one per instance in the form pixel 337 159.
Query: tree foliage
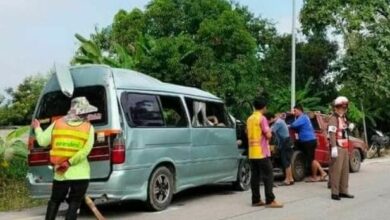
pixel 19 108
pixel 208 44
pixel 364 72
pixel 214 45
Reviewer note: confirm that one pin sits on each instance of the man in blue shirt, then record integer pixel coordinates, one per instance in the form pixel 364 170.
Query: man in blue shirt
pixel 280 129
pixel 308 142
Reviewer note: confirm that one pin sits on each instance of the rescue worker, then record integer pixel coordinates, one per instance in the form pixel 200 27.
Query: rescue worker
pixel 71 139
pixel 338 135
pixel 259 155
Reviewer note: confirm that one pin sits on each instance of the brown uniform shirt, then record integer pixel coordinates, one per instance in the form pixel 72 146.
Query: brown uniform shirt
pixel 332 125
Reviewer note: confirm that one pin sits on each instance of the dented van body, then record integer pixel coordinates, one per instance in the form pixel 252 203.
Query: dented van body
pixel 152 139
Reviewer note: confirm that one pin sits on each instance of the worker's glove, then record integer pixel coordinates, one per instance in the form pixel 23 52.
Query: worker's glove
pixel 334 152
pixel 63 167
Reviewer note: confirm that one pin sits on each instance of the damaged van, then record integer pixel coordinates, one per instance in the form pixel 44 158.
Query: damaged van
pixel 152 139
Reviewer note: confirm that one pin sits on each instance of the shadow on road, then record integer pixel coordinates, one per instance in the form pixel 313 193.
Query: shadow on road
pixel 134 208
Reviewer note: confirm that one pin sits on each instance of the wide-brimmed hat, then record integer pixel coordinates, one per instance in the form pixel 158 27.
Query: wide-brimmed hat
pixel 81 106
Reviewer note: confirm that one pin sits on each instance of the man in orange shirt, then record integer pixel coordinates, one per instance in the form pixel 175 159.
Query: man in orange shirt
pixel 259 134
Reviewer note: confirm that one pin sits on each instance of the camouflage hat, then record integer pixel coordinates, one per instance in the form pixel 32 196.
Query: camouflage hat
pixel 80 106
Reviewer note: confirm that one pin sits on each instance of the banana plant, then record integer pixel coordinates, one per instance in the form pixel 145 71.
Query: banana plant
pixel 280 99
pixel 11 146
pixel 90 53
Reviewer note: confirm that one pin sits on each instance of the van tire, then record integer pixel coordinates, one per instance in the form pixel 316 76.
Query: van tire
pixel 298 167
pixel 160 189
pixel 244 174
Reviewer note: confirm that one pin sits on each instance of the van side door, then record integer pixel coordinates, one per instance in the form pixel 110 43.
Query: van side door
pixel 214 152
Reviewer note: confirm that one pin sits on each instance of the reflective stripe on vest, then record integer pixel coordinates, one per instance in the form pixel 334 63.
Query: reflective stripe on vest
pixel 341 140
pixel 254 136
pixel 67 140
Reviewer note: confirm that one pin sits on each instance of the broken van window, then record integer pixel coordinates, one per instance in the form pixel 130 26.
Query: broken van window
pixel 55 105
pixel 208 114
pixel 173 111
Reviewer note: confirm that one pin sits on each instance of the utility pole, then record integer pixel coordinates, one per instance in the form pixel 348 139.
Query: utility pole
pixel 293 56
pixel 364 122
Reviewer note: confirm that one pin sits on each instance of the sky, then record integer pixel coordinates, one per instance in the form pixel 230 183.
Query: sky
pixel 36 34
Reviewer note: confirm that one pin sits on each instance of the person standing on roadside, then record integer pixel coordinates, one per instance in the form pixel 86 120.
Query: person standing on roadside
pixel 285 144
pixel 71 139
pixel 307 141
pixel 338 135
pixel 259 155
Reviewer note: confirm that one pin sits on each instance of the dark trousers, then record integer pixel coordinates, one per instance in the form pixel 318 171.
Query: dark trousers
pixel 75 189
pixel 262 169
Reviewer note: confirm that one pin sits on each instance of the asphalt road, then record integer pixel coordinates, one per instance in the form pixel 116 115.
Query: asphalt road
pixel 371 186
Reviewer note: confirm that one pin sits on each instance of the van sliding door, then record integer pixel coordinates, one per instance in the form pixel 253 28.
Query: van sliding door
pixel 214 152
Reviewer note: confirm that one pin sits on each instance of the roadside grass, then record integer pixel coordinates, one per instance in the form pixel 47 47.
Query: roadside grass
pixel 14 194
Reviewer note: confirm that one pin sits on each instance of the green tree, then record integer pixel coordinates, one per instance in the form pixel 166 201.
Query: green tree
pixel 311 100
pixel 364 26
pixel 363 70
pixel 313 60
pixel 19 109
pixel 209 44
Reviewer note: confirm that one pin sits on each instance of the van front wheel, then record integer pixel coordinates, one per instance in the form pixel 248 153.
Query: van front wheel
pixel 160 189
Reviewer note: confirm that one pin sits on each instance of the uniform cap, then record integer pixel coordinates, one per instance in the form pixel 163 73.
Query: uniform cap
pixel 341 101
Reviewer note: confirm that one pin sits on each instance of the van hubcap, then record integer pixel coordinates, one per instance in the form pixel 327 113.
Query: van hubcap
pixel 161 188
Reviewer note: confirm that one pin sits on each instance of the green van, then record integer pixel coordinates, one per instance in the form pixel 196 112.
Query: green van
pixel 153 139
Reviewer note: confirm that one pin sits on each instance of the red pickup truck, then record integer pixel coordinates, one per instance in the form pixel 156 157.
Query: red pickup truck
pixel 357 147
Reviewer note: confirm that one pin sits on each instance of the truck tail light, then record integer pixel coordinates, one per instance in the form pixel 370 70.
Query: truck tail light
pixel 118 153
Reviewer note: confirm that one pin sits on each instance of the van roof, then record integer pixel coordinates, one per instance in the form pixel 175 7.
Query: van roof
pixel 130 79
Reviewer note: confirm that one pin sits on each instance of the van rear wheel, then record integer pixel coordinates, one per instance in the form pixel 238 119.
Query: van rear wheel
pixel 160 189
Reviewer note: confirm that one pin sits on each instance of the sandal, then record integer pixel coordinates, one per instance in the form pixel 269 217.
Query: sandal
pixel 285 184
pixel 311 180
pixel 323 178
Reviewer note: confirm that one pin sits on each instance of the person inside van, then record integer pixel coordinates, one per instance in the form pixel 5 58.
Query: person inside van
pixel 259 134
pixel 214 120
pixel 71 138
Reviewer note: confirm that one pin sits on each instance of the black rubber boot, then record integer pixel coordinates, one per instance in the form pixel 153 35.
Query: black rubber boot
pixel 71 214
pixel 52 209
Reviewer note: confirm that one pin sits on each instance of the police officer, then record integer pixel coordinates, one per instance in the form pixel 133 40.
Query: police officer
pixel 338 135
pixel 71 139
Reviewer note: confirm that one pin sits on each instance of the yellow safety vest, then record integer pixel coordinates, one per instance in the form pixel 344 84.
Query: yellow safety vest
pixel 67 140
pixel 254 136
